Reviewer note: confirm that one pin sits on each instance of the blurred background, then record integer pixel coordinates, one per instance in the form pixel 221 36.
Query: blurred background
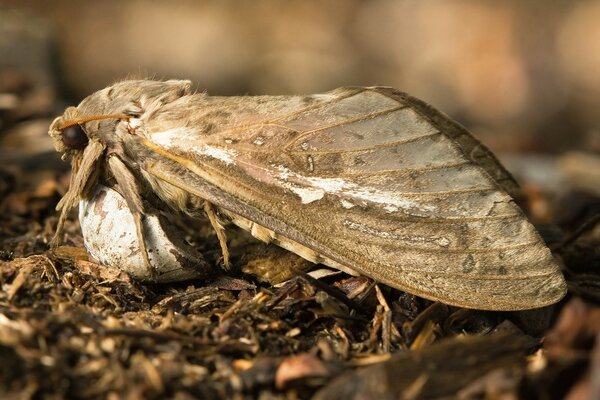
pixel 524 77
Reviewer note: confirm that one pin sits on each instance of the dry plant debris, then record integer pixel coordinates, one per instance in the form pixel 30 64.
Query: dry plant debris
pixel 70 327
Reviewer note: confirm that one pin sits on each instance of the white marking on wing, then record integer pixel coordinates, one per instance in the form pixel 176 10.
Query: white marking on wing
pixel 440 241
pixel 225 155
pixel 323 97
pixel 306 194
pixel 347 204
pixel 183 139
pixel 314 188
pixel 171 137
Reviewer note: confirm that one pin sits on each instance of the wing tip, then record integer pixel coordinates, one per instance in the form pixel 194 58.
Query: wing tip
pixel 493 295
pixel 534 293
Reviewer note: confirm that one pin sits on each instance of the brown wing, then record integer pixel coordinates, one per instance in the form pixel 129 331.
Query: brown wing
pixel 372 179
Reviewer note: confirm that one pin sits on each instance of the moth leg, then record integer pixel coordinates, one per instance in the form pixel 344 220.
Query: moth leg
pixel 57 238
pixel 82 171
pixel 219 230
pixel 137 217
pixel 64 205
pixel 129 190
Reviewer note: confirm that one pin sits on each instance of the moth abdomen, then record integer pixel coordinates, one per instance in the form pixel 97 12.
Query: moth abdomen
pixel 110 237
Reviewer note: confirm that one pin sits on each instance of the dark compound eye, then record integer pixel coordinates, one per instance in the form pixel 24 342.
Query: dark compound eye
pixel 74 137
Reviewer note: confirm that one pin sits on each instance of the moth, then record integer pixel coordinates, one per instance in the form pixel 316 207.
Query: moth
pixel 368 180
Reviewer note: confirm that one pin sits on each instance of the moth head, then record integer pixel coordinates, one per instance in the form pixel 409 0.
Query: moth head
pixel 99 125
pixel 96 118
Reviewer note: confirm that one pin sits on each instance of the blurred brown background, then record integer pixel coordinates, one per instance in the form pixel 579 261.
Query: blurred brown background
pixel 523 76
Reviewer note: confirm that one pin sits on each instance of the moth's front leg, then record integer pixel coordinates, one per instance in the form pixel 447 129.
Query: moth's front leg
pixel 83 170
pixel 139 230
pixel 130 191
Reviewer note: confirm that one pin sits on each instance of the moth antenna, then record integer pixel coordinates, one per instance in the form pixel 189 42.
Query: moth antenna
pixel 91 118
pixel 220 231
pixel 128 189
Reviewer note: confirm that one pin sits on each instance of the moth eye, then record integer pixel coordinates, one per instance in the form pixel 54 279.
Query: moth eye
pixel 74 137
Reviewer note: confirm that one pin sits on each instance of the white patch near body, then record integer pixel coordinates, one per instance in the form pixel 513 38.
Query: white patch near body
pixel 134 123
pixel 110 237
pixel 182 139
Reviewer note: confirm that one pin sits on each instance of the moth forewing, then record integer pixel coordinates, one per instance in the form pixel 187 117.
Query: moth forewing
pixel 362 179
pixel 337 175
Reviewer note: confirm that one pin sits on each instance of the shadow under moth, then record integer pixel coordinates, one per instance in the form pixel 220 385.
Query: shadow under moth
pixel 365 180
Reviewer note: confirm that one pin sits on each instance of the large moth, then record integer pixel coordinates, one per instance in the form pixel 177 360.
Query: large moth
pixel 367 180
